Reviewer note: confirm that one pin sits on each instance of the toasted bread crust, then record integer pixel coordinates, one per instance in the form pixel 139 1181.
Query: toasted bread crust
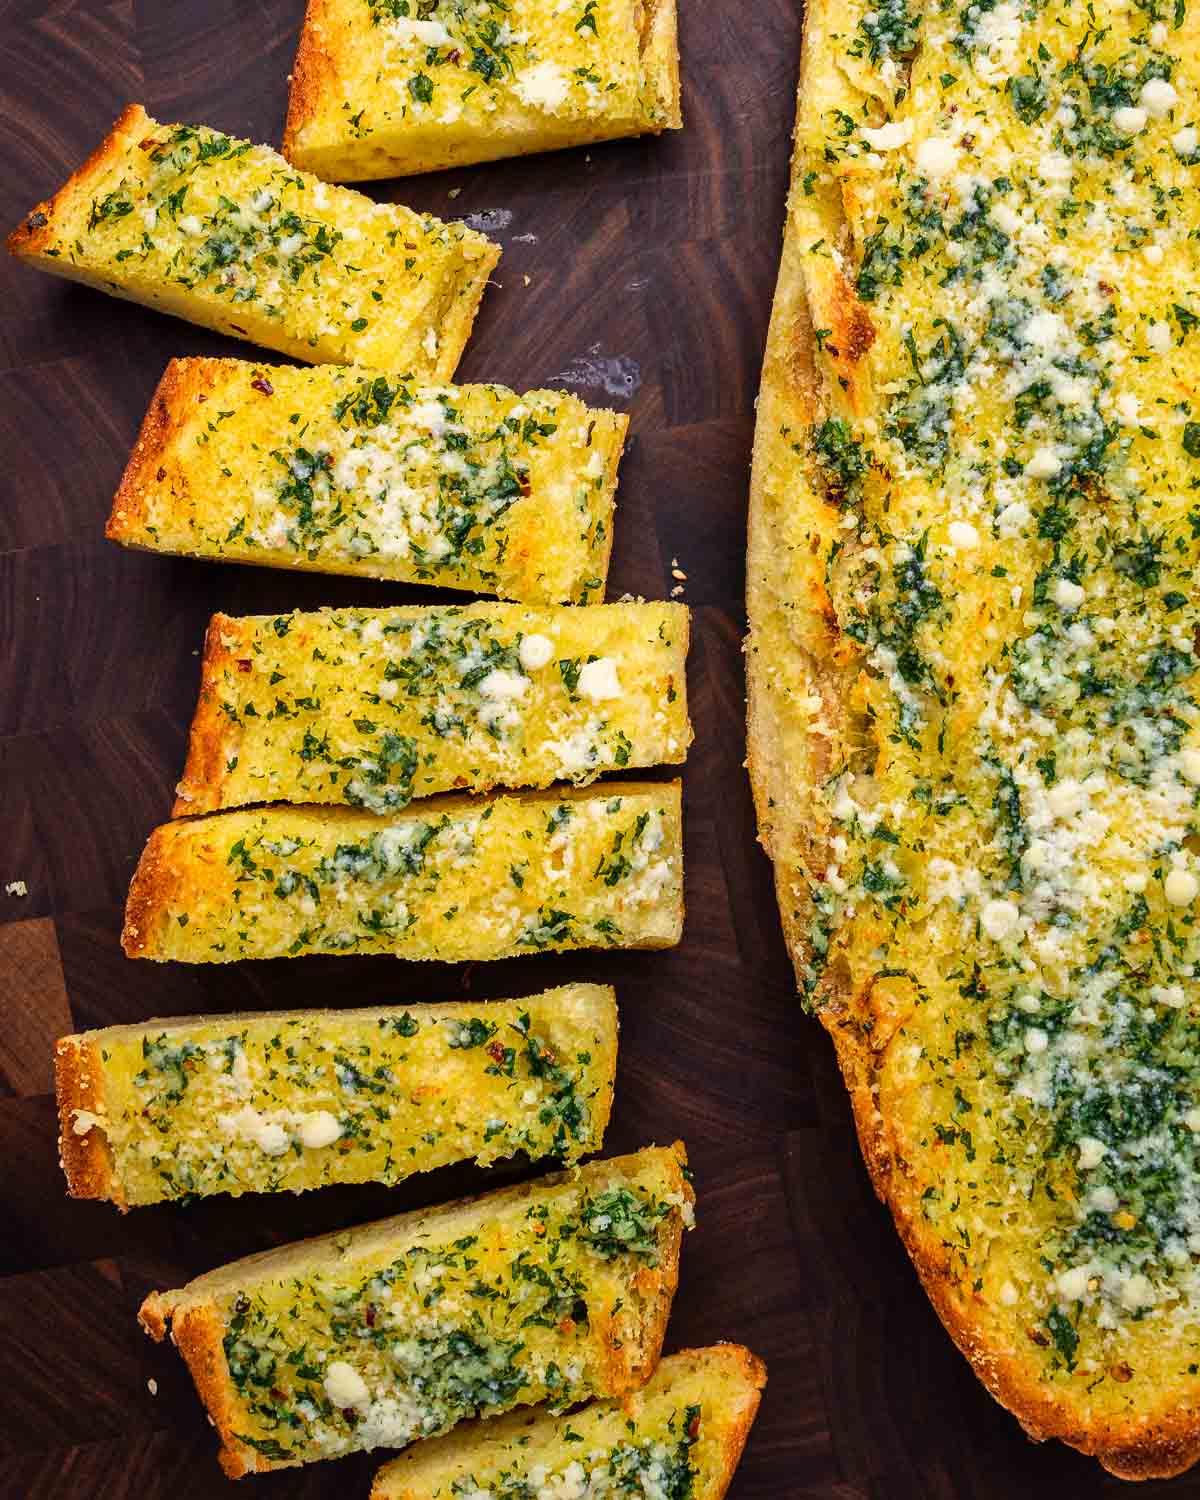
pixel 313 72
pixel 149 892
pixel 213 738
pixel 183 382
pixel 199 1337
pixel 660 45
pixel 1156 1445
pixel 158 477
pixel 754 1372
pixel 79 1086
pixel 197 1330
pixel 35 237
pixel 35 233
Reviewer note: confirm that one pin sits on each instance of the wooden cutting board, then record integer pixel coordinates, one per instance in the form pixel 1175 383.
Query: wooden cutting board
pixel 639 275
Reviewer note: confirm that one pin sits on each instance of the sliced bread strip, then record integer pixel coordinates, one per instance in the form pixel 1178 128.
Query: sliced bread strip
pixel 382 90
pixel 228 234
pixel 682 1434
pixel 555 1290
pixel 451 878
pixel 333 469
pixel 290 1100
pixel 372 707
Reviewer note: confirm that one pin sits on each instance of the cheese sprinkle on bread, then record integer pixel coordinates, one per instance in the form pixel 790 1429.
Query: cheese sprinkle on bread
pixel 974 720
pixel 558 1290
pixel 335 470
pixel 385 88
pixel 681 1436
pixel 291 1100
pixel 453 878
pixel 374 707
pixel 226 233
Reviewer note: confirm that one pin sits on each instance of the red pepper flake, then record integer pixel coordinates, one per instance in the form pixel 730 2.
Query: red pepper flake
pixel 243 664
pixel 694 1427
pixel 261 383
pixel 161 475
pixel 496 1051
pixel 370 1315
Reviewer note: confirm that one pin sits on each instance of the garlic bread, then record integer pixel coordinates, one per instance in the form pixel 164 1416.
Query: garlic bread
pixel 386 88
pixel 681 1435
pixel 373 707
pixel 974 722
pixel 334 470
pixel 227 234
pixel 290 1100
pixel 453 878
pixel 555 1290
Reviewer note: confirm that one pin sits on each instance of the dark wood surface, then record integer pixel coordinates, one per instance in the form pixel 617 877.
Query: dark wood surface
pixel 647 266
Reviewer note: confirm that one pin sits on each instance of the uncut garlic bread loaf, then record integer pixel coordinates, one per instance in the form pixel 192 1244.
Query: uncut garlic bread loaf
pixel 334 470
pixel 385 88
pixel 679 1437
pixel 228 234
pixel 555 1290
pixel 455 878
pixel 974 675
pixel 297 1099
pixel 373 707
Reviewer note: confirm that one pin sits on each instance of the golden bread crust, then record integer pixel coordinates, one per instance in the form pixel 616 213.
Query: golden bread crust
pixel 313 73
pixel 79 1087
pixel 197 1334
pixel 213 738
pixel 183 382
pixel 36 231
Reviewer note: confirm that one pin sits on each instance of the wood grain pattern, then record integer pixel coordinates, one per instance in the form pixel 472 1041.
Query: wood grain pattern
pixel 650 270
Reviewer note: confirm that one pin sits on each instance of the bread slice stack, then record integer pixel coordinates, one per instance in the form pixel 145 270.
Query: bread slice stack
pixel 419 782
